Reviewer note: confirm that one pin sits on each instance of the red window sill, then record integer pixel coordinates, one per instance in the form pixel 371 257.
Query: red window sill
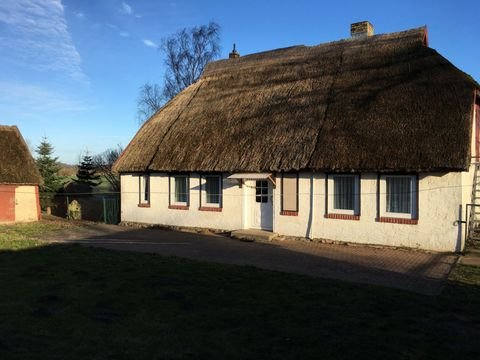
pixel 209 208
pixel 289 213
pixel 342 216
pixel 398 220
pixel 178 207
pixel 144 205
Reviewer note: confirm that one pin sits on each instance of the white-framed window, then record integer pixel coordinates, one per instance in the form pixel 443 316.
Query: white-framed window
pixel 343 195
pixel 211 190
pixel 398 196
pixel 144 189
pixel 179 190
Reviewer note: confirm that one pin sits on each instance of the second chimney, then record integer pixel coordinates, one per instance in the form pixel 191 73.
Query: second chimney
pixel 360 30
pixel 234 54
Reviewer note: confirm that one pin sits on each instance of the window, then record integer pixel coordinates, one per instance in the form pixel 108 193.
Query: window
pixel 144 189
pixel 181 189
pixel 289 194
pixel 344 192
pixel 343 196
pixel 213 189
pixel 398 197
pixel 261 191
pixel 399 194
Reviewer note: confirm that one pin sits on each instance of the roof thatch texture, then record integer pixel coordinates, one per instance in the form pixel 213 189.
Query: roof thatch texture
pixel 16 163
pixel 388 102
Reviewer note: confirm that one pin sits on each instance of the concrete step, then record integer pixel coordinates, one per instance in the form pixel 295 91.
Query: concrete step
pixel 472 256
pixel 253 235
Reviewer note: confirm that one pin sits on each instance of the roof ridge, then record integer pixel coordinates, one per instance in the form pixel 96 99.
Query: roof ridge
pixel 324 44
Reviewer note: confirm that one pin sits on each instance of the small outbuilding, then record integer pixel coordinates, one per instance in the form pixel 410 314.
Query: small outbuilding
pixel 19 178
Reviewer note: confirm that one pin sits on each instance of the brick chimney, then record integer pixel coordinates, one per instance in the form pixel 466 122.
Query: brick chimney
pixel 234 53
pixel 361 30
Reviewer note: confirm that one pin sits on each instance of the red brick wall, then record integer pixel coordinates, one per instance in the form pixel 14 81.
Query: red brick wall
pixel 7 202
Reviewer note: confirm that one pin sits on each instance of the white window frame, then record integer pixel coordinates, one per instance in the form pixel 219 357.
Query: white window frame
pixel 204 196
pixel 331 195
pixel 144 191
pixel 172 190
pixel 413 214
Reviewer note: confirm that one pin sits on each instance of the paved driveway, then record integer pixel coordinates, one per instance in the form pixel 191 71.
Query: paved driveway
pixel 410 270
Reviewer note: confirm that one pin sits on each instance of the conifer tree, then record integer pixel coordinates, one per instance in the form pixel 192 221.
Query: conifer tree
pixel 49 168
pixel 87 173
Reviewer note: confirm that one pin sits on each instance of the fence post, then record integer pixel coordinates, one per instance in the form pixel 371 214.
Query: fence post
pixel 68 202
pixel 104 210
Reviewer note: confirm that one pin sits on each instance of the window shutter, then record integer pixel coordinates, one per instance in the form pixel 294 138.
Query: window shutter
pixel 290 192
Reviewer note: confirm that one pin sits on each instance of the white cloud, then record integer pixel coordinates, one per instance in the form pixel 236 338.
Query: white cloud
pixel 124 34
pixel 126 9
pixel 149 43
pixel 112 26
pixel 36 36
pixel 19 100
pixel 80 15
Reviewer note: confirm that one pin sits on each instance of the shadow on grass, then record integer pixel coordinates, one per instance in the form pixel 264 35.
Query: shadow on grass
pixel 418 272
pixel 74 302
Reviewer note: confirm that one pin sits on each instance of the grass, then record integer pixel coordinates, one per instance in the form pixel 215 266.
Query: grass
pixel 23 235
pixel 73 302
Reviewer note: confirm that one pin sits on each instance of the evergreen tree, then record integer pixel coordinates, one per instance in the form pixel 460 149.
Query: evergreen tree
pixel 49 168
pixel 87 173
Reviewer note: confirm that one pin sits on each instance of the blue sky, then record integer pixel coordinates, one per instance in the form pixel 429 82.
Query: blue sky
pixel 71 69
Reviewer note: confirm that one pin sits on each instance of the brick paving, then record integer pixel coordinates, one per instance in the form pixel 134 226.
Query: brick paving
pixel 411 270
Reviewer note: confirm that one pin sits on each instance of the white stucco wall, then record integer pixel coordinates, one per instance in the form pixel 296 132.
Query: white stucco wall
pixel 440 199
pixel 26 203
pixel 230 218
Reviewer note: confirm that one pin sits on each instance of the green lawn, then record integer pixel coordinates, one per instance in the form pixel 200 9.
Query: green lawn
pixel 72 302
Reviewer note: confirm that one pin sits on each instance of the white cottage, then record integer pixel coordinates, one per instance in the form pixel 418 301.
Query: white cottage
pixel 366 140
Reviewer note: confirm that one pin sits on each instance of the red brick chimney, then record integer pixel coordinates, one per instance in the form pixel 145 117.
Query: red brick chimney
pixel 361 30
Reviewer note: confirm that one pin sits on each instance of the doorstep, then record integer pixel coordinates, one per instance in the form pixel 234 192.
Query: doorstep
pixel 253 235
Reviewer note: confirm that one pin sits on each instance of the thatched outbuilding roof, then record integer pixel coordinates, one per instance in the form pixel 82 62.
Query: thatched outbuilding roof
pixel 386 102
pixel 16 163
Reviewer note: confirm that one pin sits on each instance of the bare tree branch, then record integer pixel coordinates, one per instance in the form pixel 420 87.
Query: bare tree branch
pixel 187 52
pixel 150 99
pixel 103 164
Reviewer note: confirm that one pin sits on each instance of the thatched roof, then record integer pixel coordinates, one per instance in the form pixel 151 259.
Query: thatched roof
pixel 16 163
pixel 387 102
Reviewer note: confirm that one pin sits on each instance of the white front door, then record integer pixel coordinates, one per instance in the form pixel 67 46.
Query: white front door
pixel 262 205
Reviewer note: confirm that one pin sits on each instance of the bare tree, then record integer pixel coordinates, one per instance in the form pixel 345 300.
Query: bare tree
pixel 103 164
pixel 150 99
pixel 187 52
